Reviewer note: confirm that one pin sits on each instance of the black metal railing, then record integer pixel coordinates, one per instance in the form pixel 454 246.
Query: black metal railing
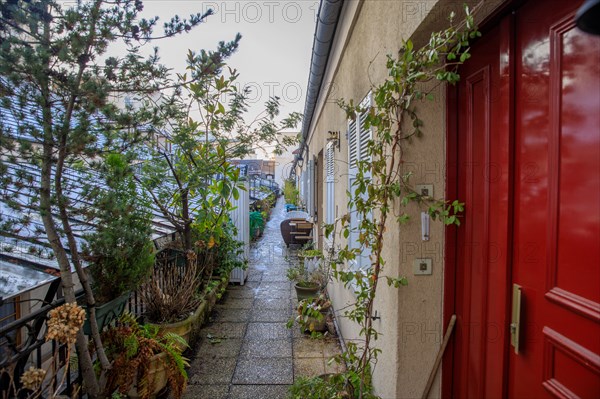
pixel 23 344
pixel 22 338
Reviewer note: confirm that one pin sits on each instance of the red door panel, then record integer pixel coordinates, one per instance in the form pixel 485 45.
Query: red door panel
pixel 483 185
pixel 528 156
pixel 557 204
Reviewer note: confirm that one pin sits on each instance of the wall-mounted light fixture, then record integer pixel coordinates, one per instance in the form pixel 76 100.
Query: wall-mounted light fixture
pixel 335 137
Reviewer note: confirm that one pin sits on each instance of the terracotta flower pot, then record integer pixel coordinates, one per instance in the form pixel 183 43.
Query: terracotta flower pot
pixel 306 292
pixel 157 380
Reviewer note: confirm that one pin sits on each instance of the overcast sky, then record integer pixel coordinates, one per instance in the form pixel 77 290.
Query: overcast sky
pixel 275 51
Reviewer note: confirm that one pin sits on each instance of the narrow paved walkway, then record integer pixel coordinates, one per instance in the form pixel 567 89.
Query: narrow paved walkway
pixel 246 351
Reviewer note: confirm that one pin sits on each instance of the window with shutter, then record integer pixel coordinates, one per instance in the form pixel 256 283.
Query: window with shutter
pixel 330 181
pixel 358 138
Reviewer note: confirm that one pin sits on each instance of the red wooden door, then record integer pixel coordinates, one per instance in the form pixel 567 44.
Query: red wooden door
pixel 556 237
pixel 528 144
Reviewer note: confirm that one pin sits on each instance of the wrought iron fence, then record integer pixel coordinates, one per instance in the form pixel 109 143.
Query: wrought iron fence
pixel 22 337
pixel 23 345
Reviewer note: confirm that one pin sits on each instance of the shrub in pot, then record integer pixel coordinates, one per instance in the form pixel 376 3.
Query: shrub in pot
pixel 144 361
pixel 172 293
pixel 308 282
pixel 312 314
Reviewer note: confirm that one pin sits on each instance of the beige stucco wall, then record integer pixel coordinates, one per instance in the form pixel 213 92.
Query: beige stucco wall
pixel 411 317
pixel 284 162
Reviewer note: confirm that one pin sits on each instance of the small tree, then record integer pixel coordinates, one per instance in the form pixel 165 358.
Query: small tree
pixel 206 126
pixel 120 247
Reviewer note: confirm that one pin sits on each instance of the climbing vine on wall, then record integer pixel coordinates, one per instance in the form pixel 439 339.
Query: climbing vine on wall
pixel 382 182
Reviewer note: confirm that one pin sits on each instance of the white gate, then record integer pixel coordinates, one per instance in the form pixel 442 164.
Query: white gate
pixel 240 217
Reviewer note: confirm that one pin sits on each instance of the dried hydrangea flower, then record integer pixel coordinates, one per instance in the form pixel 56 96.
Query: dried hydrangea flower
pixel 64 323
pixel 32 379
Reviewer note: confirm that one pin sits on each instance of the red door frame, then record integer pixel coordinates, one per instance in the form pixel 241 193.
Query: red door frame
pixel 451 176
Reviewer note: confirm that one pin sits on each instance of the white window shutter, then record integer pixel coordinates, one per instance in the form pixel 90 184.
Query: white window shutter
pixel 352 144
pixel 358 138
pixel 330 181
pixel 364 134
pixel 311 187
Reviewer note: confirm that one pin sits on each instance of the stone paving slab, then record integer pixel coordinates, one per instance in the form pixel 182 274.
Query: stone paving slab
pixel 271 371
pixel 277 278
pixel 266 349
pixel 270 315
pixel 225 348
pixel 239 294
pixel 268 331
pixel 281 295
pixel 207 392
pixel 224 330
pixel 207 371
pixel 242 303
pixel 248 284
pixel 230 315
pixel 272 304
pixel 258 391
pixel 274 287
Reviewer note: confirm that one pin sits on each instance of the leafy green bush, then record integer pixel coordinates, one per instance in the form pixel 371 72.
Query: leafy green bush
pixel 218 250
pixel 290 192
pixel 327 386
pixel 120 248
pixel 257 224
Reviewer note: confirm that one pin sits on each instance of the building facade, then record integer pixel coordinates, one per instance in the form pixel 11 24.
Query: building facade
pixel 517 140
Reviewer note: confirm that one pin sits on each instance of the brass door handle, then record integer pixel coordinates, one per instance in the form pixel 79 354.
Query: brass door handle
pixel 515 323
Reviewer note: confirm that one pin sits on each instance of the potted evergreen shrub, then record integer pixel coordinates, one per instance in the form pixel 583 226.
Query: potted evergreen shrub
pixel 120 249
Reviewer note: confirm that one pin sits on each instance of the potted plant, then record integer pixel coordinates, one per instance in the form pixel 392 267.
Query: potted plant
pixel 312 258
pixel 119 249
pixel 144 361
pixel 308 280
pixel 312 314
pixel 172 294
